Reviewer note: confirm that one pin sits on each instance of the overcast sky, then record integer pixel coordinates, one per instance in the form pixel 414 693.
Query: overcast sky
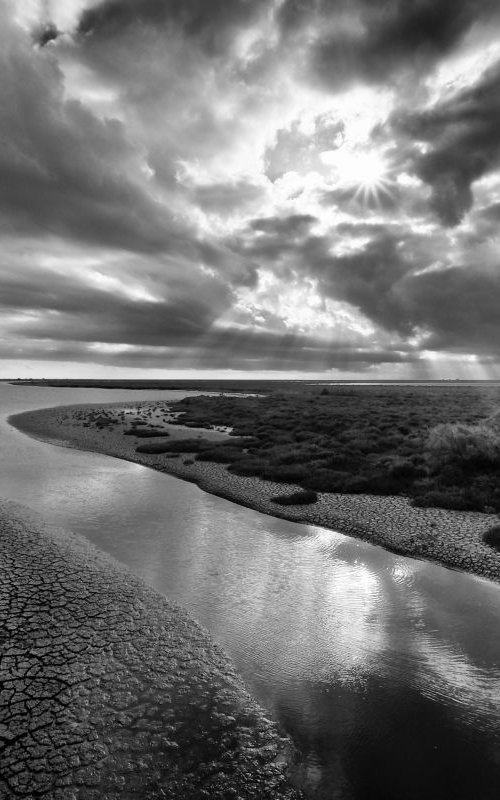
pixel 296 187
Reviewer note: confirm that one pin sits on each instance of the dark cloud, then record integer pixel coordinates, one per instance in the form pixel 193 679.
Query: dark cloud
pixel 184 105
pixel 368 279
pixel 273 351
pixel 462 135
pixel 492 212
pixel 64 171
pixel 226 348
pixel 102 306
pixel 94 317
pixel 455 306
pixel 360 228
pixel 294 226
pixel 223 198
pixel 65 317
pixel 459 307
pixel 187 106
pixel 397 281
pixel 209 22
pixel 123 322
pixel 268 239
pixel 370 40
pixel 45 34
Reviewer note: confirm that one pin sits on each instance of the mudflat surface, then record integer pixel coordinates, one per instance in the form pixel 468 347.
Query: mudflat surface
pixel 110 691
pixel 451 538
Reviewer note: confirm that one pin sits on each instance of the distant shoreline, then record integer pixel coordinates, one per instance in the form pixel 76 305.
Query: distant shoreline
pixel 450 538
pixel 228 384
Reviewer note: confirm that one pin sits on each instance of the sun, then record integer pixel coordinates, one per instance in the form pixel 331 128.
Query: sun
pixel 370 175
pixel 366 173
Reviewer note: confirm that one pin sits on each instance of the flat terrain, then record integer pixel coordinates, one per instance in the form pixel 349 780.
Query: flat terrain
pixel 107 690
pixel 254 450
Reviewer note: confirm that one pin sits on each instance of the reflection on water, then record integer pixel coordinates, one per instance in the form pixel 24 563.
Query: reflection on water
pixel 385 670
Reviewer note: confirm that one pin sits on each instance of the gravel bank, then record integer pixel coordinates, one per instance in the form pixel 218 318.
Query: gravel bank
pixel 110 691
pixel 452 538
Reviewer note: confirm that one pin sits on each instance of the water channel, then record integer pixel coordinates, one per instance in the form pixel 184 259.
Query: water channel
pixel 384 669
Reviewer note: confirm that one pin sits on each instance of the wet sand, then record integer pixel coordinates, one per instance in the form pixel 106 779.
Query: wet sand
pixel 451 538
pixel 110 691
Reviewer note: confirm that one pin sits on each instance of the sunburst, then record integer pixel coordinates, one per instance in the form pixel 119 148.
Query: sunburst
pixel 366 173
pixel 371 175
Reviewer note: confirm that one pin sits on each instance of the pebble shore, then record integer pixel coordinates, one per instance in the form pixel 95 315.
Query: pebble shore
pixel 451 538
pixel 107 690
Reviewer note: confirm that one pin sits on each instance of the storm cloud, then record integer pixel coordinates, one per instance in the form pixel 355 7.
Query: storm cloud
pixel 370 40
pixel 211 23
pixel 297 186
pixel 462 134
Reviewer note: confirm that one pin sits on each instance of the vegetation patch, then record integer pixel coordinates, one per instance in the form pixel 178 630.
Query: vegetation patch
pixel 153 448
pixel 295 499
pixel 437 446
pixel 146 433
pixel 492 537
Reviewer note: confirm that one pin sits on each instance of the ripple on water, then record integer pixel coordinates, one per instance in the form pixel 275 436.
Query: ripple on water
pixel 403 572
pixel 386 669
pixel 449 677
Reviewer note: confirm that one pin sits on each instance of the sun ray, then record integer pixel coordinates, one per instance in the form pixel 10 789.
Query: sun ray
pixel 367 173
pixel 372 177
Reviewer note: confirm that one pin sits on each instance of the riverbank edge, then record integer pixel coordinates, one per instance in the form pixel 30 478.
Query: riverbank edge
pixel 452 539
pixel 101 675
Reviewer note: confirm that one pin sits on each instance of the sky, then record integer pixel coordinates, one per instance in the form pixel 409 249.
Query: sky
pixel 261 188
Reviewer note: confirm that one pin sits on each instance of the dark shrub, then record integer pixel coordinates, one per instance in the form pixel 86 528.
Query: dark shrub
pixel 327 480
pixel 450 475
pixel 220 455
pixel 285 473
pixel 343 462
pixel 153 448
pixel 459 500
pixel 141 433
pixel 179 446
pixel 492 537
pixel 295 499
pixel 188 445
pixel 403 469
pixel 468 445
pixel 356 484
pixel 303 436
pixel 248 466
pixel 362 445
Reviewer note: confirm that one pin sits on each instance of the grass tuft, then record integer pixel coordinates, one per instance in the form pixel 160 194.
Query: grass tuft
pixel 492 537
pixel 296 498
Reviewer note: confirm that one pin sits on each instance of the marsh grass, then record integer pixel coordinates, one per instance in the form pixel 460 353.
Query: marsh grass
pixel 143 433
pixel 438 446
pixel 295 498
pixel 463 446
pixel 492 537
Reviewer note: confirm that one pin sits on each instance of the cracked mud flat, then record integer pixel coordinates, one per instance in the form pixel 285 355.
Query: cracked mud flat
pixel 110 691
pixel 451 538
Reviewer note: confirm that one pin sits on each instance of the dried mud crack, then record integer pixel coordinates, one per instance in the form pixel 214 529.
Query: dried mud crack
pixel 110 691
